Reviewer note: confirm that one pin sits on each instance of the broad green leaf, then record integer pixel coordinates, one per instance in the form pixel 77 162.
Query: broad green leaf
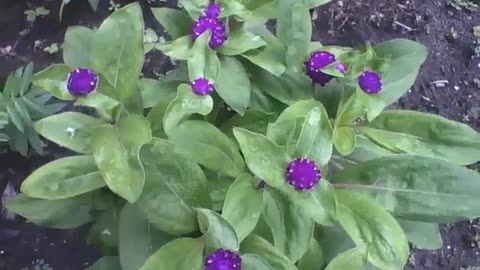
pixel 424 134
pixel 184 105
pixel 416 188
pixel 233 84
pixel 77 46
pixel 294 28
pixel 405 58
pixel 174 186
pixel 243 205
pixel 218 185
pixel 255 244
pixel 241 41
pixel 116 152
pixel 103 104
pixel 208 147
pixel 292 229
pixel 104 231
pixel 63 178
pixel 371 226
pixel 117 50
pixel 179 49
pixel 69 129
pixel 330 96
pixel 218 233
pixel 304 128
pixel 422 235
pixel 349 109
pixel 265 103
pixel 195 8
pixel 353 259
pixel 106 263
pixel 53 80
pixel 315 3
pixel 252 120
pixel 345 140
pixel 203 62
pixel 264 158
pixel 231 7
pixel 254 262
pixel 155 92
pixel 319 203
pixel 59 214
pixel 176 23
pixel 179 254
pixel 333 240
pixel 313 258
pixel 137 239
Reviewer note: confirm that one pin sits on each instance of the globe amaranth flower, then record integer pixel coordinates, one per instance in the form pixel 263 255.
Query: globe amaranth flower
pixel 370 82
pixel 318 61
pixel 223 259
pixel 213 10
pixel 202 86
pixel 81 82
pixel 216 28
pixel 303 174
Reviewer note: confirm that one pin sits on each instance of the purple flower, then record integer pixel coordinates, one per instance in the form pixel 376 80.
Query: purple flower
pixel 315 63
pixel 303 174
pixel 370 82
pixel 202 87
pixel 341 67
pixel 81 82
pixel 223 259
pixel 216 28
pixel 213 10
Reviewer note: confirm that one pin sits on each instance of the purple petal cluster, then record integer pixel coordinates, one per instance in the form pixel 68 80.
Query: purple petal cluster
pixel 319 60
pixel 370 82
pixel 223 259
pixel 82 82
pixel 202 87
pixel 210 22
pixel 303 174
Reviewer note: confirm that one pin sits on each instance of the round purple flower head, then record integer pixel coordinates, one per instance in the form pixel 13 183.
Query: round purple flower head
pixel 216 28
pixel 370 82
pixel 213 10
pixel 202 87
pixel 223 259
pixel 315 63
pixel 303 174
pixel 81 82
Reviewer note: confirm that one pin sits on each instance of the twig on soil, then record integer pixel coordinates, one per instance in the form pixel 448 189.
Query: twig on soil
pixel 440 83
pixel 408 28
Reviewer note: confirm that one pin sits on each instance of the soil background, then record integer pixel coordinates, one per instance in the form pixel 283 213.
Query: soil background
pixel 448 84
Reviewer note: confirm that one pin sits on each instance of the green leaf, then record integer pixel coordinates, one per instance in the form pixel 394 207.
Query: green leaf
pixel 370 226
pixel 254 262
pixel 304 128
pixel 16 116
pixel 59 214
pixel 243 205
pixel 233 84
pixel 315 3
pixel 69 129
pixel 106 263
pixel 264 158
pixel 155 92
pixel 77 46
pixel 313 258
pixel 179 254
pixel 63 178
pixel 255 244
pixel 218 185
pixel 184 105
pixel 353 259
pixel 195 8
pixel 218 233
pixel 116 152
pixel 405 58
pixel 241 41
pixel 203 62
pixel 117 51
pixel 53 80
pixel 422 235
pixel 292 229
pixel 179 49
pixel 416 188
pixel 137 239
pixel 174 186
pixel 345 140
pixel 252 120
pixel 104 105
pixel 208 147
pixel 94 4
pixel 335 238
pixel 177 23
pixel 104 232
pixel 424 134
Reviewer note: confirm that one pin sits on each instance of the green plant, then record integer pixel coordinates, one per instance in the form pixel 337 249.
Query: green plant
pixel 20 106
pixel 289 175
pixel 32 14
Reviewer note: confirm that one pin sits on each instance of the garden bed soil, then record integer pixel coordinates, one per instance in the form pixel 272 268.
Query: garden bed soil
pixel 449 85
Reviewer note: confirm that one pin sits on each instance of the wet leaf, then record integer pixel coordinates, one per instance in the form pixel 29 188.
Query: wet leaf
pixel 176 23
pixel 173 254
pixel 218 233
pixel 77 47
pixel 255 244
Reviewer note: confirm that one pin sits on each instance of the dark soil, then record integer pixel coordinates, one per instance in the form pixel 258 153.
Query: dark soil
pixel 445 30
